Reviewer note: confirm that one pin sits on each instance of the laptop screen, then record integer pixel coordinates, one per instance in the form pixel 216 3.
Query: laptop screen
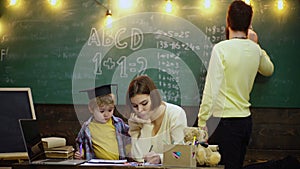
pixel 32 139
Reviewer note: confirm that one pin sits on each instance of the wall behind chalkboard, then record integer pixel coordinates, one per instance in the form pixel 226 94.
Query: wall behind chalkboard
pixel 57 52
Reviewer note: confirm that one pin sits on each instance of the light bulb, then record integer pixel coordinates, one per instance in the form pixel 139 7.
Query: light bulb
pixel 169 6
pixel 280 4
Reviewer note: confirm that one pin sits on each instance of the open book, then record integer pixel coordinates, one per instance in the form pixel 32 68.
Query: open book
pixel 101 161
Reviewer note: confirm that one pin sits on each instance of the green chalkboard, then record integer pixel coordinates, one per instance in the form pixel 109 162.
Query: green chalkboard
pixel 59 51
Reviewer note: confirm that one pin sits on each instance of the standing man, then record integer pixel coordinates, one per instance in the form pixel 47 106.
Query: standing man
pixel 231 72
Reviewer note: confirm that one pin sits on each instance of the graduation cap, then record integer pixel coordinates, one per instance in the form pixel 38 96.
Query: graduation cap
pixel 99 91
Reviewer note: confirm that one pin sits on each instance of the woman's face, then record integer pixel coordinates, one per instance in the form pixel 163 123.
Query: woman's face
pixel 103 113
pixel 141 104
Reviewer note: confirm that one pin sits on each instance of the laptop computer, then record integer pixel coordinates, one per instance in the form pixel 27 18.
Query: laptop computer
pixel 34 146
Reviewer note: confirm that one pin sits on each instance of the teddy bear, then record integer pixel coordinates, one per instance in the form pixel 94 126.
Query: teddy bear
pixel 205 154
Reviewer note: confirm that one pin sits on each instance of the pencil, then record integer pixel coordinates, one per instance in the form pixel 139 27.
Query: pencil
pixel 80 149
pixel 194 141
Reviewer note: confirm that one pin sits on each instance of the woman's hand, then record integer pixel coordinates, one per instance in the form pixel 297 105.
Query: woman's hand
pixel 152 158
pixel 134 118
pixel 136 124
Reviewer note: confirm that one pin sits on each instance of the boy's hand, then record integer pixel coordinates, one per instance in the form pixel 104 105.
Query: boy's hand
pixel 77 155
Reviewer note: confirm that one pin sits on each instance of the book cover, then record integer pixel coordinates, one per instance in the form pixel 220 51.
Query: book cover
pixel 59 154
pixel 60 149
pixel 50 142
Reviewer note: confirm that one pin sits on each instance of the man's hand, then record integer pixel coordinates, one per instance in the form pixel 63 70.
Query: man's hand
pixel 252 35
pixel 204 132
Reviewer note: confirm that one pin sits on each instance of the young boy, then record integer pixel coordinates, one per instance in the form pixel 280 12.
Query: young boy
pixel 103 135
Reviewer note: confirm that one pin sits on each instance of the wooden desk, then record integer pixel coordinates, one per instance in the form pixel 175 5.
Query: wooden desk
pixel 20 156
pixel 27 166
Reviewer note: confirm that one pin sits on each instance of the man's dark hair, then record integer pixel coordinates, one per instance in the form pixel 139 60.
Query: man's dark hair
pixel 239 16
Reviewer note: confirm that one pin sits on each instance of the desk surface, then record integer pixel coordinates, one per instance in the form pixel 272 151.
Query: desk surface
pixel 26 166
pixel 14 156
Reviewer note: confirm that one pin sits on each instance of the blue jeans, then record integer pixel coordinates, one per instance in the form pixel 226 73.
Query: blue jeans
pixel 232 135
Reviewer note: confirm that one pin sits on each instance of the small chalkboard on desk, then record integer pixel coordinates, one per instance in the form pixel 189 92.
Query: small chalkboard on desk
pixel 15 103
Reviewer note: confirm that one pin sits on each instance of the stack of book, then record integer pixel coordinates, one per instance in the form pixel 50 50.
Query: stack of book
pixel 55 147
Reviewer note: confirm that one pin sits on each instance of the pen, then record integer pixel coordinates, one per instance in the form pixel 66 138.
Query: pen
pixel 151 148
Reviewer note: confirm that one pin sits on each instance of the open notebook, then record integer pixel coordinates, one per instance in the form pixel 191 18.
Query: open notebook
pixel 34 146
